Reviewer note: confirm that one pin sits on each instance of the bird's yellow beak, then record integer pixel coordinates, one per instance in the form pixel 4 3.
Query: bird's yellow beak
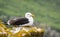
pixel 33 15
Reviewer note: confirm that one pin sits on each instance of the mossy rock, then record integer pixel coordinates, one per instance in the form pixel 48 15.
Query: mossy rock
pixel 30 32
pixel 3 35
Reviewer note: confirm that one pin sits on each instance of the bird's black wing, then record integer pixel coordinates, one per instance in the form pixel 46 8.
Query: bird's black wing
pixel 21 21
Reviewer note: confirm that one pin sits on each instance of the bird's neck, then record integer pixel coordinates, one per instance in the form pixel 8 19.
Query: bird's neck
pixel 30 18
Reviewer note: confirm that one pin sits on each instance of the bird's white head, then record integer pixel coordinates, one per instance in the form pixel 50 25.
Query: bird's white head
pixel 28 15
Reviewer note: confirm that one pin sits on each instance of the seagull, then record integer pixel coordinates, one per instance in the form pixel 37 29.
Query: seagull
pixel 22 21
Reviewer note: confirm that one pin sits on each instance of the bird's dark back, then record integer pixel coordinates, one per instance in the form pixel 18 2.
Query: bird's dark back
pixel 21 21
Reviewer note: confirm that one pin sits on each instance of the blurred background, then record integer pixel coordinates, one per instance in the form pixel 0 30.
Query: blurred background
pixel 47 13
